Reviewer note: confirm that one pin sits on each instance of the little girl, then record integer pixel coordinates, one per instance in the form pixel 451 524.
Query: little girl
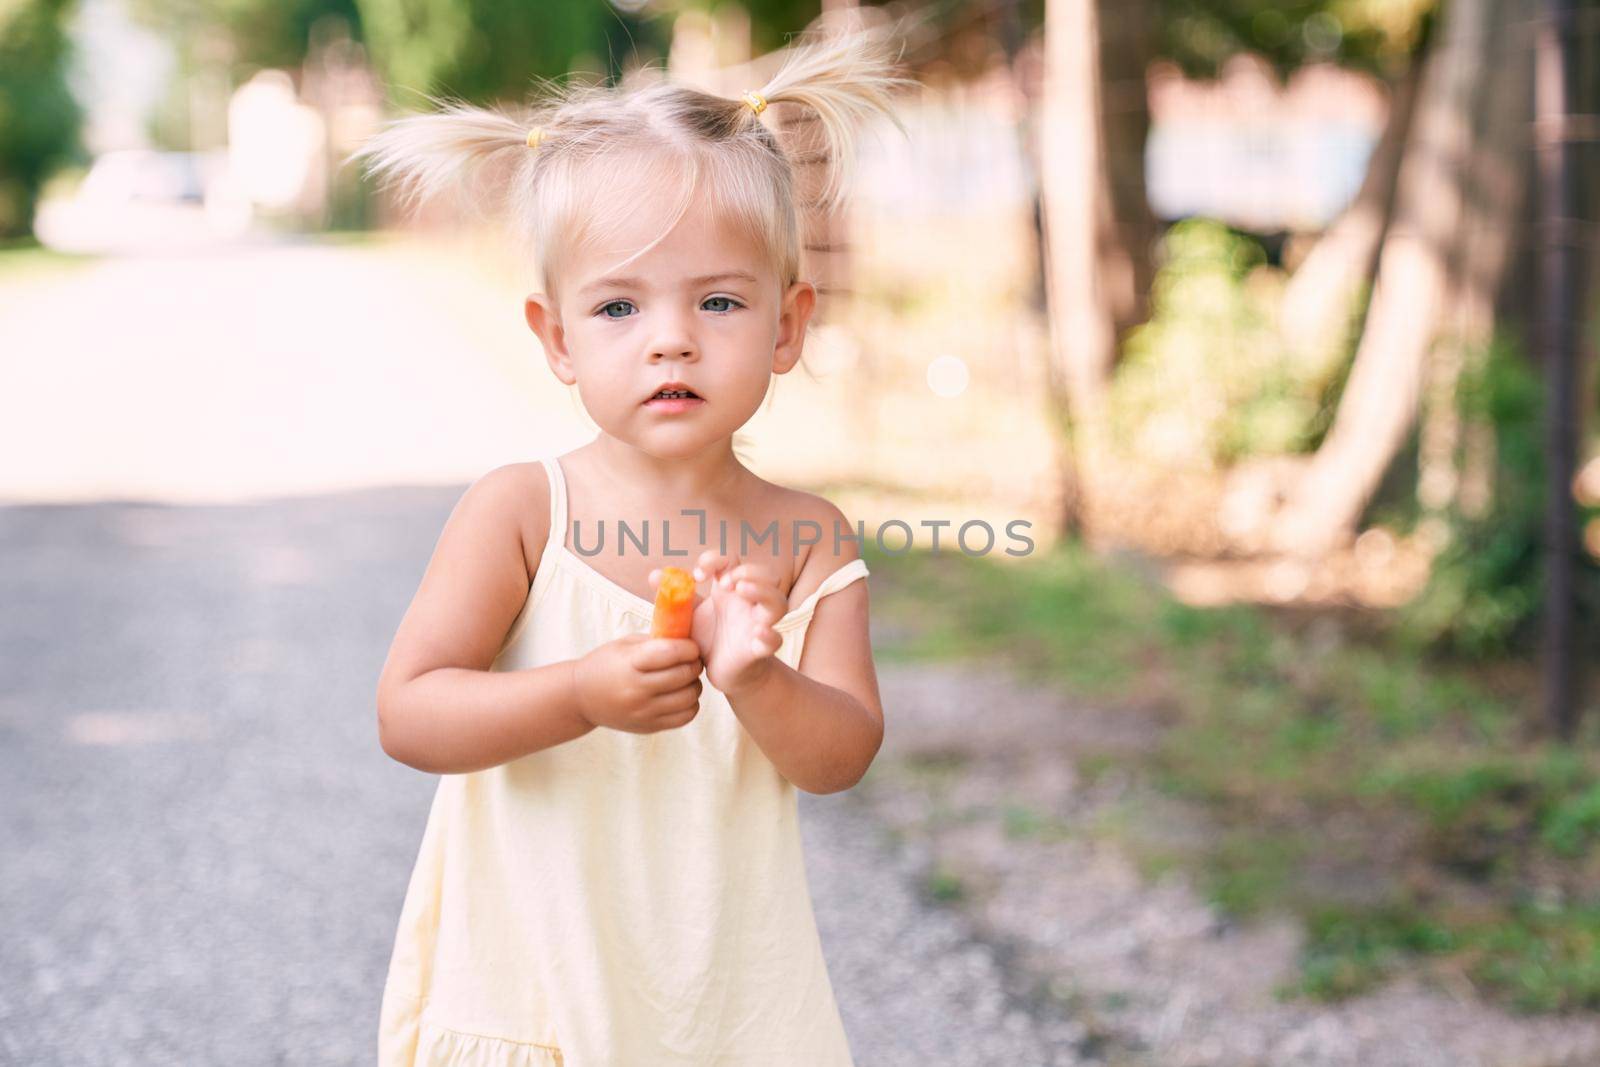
pixel 611 872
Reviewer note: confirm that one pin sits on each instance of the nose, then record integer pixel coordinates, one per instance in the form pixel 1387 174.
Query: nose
pixel 673 339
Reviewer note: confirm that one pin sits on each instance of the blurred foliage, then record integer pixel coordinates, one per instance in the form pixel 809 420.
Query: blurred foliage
pixel 478 50
pixel 1201 35
pixel 1485 592
pixel 772 21
pixel 1284 725
pixel 1207 381
pixel 482 50
pixel 40 122
pixel 258 33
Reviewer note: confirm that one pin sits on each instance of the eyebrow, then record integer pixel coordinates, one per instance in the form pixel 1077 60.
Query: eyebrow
pixel 638 283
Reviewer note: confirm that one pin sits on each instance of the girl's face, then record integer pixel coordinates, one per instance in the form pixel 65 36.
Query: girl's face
pixel 701 308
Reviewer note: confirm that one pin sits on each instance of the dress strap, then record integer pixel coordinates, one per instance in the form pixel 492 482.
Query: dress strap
pixel 856 568
pixel 558 506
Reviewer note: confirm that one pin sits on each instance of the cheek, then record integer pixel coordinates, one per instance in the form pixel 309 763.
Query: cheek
pixel 744 357
pixel 596 352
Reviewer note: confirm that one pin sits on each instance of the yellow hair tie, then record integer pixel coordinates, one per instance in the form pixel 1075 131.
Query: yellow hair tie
pixel 535 135
pixel 757 102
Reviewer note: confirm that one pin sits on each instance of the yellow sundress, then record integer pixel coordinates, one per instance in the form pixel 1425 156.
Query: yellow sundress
pixel 619 900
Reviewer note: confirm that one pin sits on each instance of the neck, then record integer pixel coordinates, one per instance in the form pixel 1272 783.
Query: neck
pixel 711 473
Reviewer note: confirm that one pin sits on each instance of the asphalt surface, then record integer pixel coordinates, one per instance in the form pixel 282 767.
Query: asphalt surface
pixel 206 850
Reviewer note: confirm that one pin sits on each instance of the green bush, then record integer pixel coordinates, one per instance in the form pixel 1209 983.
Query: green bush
pixel 1208 379
pixel 1487 586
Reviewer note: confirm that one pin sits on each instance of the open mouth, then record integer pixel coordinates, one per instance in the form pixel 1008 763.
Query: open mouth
pixel 675 394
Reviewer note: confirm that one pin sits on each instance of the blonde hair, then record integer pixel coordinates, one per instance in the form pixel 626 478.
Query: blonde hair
pixel 592 139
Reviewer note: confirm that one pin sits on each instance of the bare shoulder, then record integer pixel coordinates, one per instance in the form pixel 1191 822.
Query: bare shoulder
pixel 836 528
pixel 838 641
pixel 475 582
pixel 836 540
pixel 523 490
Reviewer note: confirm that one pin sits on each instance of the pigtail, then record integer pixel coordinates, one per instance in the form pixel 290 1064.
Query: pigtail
pixel 843 79
pixel 472 151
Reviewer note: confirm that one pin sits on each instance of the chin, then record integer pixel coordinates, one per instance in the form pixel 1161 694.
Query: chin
pixel 693 444
pixel 682 448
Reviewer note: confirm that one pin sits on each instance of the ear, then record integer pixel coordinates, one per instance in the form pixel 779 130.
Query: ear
pixel 545 320
pixel 798 303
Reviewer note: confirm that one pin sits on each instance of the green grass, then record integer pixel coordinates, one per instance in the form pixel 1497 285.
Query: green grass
pixel 1042 614
pixel 24 259
pixel 1537 958
pixel 1349 951
pixel 1279 725
pixel 1022 822
pixel 945 887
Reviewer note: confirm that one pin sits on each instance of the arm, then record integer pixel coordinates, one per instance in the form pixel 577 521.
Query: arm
pixel 440 709
pixel 821 725
pixel 820 737
pixel 454 720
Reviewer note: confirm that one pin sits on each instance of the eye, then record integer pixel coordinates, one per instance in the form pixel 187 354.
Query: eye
pixel 614 303
pixel 729 299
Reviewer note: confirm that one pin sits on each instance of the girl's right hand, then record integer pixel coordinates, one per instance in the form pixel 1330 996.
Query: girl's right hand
pixel 639 683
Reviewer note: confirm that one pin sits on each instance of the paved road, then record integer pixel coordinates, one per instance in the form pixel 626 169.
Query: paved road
pixel 206 850
pixel 240 373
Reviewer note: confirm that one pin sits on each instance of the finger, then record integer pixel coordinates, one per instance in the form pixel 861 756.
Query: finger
pixel 670 678
pixel 757 572
pixel 729 577
pixel 655 576
pixel 659 652
pixel 765 642
pixel 759 592
pixel 666 679
pixel 680 702
pixel 673 721
pixel 713 564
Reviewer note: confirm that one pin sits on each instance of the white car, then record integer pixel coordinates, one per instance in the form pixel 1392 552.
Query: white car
pixel 143 199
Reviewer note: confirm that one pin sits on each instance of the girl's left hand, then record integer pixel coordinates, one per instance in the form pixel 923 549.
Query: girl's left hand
pixel 733 624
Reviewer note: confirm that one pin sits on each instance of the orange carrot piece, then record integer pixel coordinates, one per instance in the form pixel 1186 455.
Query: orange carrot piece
pixel 674 609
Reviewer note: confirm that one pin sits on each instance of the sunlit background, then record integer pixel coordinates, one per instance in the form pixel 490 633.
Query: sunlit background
pixel 1277 321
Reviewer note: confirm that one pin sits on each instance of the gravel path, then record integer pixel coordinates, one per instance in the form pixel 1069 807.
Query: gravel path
pixel 1151 968
pixel 914 984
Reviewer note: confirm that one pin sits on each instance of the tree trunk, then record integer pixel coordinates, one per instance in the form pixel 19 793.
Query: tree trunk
pixel 1073 190
pixel 1317 303
pixel 1127 227
pixel 1497 185
pixel 1380 398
